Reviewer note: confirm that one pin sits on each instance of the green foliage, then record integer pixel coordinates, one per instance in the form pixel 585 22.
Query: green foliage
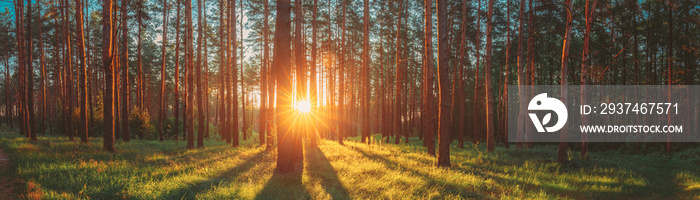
pixel 140 124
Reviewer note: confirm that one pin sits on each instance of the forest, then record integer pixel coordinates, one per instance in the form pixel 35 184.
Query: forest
pixel 334 99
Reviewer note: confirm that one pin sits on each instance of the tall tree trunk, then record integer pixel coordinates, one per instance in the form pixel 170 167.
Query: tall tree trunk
pixel 590 8
pixel 562 156
pixel 19 28
pixel 223 81
pixel 459 92
pixel 176 95
pixel 365 76
pixel 506 68
pixel 42 64
pixel 108 134
pixel 68 67
pixel 521 79
pixel 490 133
pixel 189 66
pixel 286 159
pixel 205 97
pixel 443 76
pixel 262 135
pixel 341 113
pixel 83 126
pixel 270 79
pixel 30 77
pixel 312 79
pixel 477 97
pixel 200 86
pixel 140 91
pixel 399 79
pixel 244 127
pixel 126 85
pixel 299 62
pixel 427 117
pixel 234 86
pixel 161 110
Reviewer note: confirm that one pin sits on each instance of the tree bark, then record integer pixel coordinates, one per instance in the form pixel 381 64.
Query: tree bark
pixel 341 113
pixel 590 8
pixel 443 76
pixel 161 110
pixel 286 159
pixel 270 79
pixel 200 85
pixel 108 134
pixel 234 74
pixel 83 126
pixel 427 117
pixel 399 80
pixel 490 133
pixel 521 79
pixel 366 89
pixel 189 66
pixel 126 86
pixel 562 156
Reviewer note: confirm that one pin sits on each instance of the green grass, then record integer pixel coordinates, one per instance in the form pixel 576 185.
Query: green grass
pixel 55 168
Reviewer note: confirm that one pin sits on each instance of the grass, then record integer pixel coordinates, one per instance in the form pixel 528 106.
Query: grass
pixel 54 168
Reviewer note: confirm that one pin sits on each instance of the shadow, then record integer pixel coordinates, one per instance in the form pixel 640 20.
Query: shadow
pixel 457 190
pixel 284 186
pixel 191 191
pixel 320 170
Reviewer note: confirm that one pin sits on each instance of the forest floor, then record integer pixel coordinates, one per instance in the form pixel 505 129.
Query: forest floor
pixel 54 168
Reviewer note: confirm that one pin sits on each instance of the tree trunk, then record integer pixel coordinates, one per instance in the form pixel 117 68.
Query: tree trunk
pixel 139 72
pixel 262 135
pixel 223 68
pixel 189 66
pixel 312 79
pixel 126 86
pixel 83 126
pixel 460 91
pixel 200 86
pixel 108 134
pixel 443 76
pixel 427 117
pixel 31 132
pixel 490 133
pixel 399 80
pixel 287 148
pixel 506 67
pixel 521 79
pixel 270 79
pixel 590 8
pixel 366 89
pixel 562 156
pixel 233 72
pixel 341 113
pixel 161 110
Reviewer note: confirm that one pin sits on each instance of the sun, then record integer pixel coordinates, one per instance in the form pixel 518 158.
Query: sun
pixel 303 106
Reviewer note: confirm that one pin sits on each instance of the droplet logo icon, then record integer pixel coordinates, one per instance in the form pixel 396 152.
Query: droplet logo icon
pixel 543 103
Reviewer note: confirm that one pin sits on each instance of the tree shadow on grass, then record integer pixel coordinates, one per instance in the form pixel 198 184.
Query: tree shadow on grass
pixel 190 191
pixel 283 186
pixel 451 188
pixel 321 170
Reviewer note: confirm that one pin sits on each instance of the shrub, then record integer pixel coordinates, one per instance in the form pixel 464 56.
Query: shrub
pixel 141 125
